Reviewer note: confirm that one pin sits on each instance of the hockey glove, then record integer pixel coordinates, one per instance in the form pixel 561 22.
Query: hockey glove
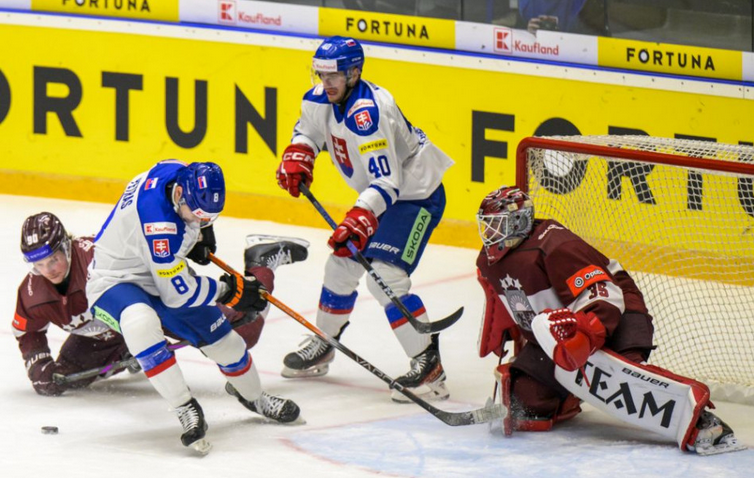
pixel 40 369
pixel 297 165
pixel 358 226
pixel 568 338
pixel 243 293
pixel 201 250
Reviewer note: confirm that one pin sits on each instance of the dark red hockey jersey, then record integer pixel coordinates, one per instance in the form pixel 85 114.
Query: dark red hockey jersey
pixel 555 268
pixel 39 304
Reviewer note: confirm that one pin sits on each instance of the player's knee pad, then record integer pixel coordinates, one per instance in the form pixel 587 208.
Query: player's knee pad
pixel 141 327
pixel 395 277
pixel 342 275
pixel 230 349
pixel 643 395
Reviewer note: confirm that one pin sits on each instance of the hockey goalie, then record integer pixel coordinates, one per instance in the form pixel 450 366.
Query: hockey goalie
pixel 582 333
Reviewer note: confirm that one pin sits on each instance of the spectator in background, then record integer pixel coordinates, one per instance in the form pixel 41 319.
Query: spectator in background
pixel 573 16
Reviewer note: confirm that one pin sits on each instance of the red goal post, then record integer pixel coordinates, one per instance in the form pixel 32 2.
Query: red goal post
pixel 679 216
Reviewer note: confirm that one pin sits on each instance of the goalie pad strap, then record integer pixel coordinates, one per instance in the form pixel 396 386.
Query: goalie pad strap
pixel 643 395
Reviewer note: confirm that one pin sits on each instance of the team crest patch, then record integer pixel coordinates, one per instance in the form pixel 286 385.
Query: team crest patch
pixel 517 302
pixel 363 120
pixel 340 154
pixel 161 247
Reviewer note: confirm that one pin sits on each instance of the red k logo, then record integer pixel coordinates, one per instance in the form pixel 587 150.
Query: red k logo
pixel 502 41
pixel 226 12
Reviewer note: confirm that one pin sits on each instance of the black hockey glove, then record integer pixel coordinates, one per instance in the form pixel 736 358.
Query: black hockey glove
pixel 201 250
pixel 41 367
pixel 243 294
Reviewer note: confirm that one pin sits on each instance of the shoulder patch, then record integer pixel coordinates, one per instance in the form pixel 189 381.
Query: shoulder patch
pixel 585 277
pixel 373 146
pixel 363 120
pixel 19 323
pixel 154 228
pixel 360 103
pixel 161 247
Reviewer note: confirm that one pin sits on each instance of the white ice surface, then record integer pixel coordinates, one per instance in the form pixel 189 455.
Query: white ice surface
pixel 121 427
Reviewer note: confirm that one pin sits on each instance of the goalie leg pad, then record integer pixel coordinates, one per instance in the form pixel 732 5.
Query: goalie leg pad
pixel 642 395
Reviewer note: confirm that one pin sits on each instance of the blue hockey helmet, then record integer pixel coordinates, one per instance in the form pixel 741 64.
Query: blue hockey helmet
pixel 203 190
pixel 338 54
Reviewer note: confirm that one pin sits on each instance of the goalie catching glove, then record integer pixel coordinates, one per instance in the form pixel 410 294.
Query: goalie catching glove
pixel 297 165
pixel 244 293
pixel 567 337
pixel 358 226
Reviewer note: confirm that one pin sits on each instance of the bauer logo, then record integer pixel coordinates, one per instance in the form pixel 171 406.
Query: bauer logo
pixel 226 12
pixel 503 38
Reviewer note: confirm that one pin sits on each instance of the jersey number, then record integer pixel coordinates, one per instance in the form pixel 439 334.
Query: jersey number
pixel 179 284
pixel 598 289
pixel 379 166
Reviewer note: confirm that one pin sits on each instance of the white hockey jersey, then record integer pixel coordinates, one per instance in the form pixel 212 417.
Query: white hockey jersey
pixel 145 242
pixel 374 147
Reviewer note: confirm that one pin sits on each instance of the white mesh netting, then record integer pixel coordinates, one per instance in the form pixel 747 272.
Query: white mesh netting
pixel 686 234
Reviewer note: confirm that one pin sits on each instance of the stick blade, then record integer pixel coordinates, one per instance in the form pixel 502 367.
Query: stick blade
pixel 438 325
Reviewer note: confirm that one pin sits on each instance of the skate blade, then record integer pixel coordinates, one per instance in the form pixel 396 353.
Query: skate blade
pixel 720 448
pixel 428 393
pixel 202 446
pixel 254 239
pixel 316 371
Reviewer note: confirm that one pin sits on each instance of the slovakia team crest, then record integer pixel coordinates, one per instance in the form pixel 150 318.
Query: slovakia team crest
pixel 161 247
pixel 150 183
pixel 202 180
pixel 363 120
pixel 340 154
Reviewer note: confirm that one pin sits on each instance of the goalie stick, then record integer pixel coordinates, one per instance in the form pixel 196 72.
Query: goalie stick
pixel 472 417
pixel 421 327
pixel 111 368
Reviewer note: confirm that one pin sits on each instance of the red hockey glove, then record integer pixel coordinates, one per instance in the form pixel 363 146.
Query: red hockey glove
pixel 358 226
pixel 568 338
pixel 297 164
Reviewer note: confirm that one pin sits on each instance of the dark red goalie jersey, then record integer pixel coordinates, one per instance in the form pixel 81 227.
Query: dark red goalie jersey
pixel 550 269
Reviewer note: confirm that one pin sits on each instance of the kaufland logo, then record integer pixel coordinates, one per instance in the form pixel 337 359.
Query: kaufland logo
pixel 503 38
pixel 226 12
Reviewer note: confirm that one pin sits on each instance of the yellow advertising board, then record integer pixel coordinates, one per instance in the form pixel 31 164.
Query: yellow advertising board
pixel 383 27
pixel 670 59
pixel 159 10
pixel 90 109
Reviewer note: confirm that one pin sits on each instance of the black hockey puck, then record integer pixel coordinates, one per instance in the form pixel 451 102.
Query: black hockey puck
pixel 50 430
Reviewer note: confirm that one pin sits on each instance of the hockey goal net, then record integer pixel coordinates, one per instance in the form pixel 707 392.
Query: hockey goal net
pixel 679 216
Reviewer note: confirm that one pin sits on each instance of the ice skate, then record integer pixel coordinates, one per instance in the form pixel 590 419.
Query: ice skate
pixel 274 251
pixel 713 436
pixel 312 360
pixel 426 379
pixel 194 426
pixel 275 408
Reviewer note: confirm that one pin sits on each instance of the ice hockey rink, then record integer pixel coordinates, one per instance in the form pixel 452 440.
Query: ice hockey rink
pixel 121 427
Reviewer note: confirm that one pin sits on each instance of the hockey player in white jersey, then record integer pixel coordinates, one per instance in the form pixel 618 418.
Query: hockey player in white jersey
pixel 140 282
pixel 397 173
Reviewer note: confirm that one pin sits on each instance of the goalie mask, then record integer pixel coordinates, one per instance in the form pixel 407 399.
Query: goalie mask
pixel 505 219
pixel 42 235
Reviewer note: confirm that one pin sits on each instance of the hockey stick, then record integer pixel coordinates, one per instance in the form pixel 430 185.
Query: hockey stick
pixel 421 327
pixel 111 368
pixel 481 415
